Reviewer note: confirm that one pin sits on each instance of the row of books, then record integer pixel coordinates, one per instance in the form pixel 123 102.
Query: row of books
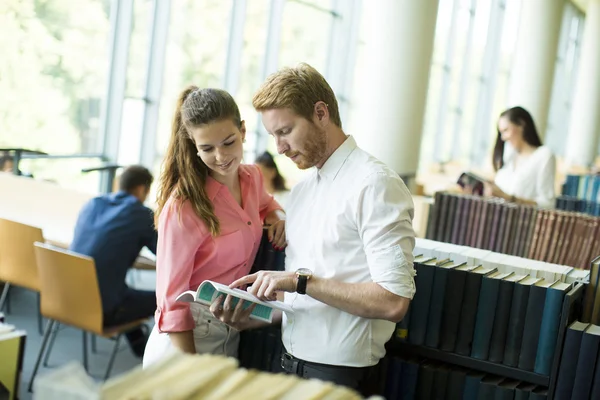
pixel 569 203
pixel 579 371
pixel 585 187
pixel 519 230
pixel 188 376
pixel 502 313
pixel 409 379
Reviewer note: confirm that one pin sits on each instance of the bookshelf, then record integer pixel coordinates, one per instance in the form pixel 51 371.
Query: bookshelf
pixel 571 310
pixel 407 349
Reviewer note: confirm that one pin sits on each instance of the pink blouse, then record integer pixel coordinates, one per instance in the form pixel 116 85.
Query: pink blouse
pixel 187 254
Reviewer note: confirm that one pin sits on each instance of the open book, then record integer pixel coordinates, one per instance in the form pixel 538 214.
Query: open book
pixel 209 290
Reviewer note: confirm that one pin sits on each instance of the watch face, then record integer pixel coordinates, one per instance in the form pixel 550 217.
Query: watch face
pixel 304 271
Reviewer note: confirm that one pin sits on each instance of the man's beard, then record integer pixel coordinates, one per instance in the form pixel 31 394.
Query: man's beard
pixel 314 150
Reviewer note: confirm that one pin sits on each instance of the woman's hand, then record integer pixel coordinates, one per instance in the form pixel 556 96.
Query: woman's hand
pixel 276 230
pixel 491 189
pixel 236 317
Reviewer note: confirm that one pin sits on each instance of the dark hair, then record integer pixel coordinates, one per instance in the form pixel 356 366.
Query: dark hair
pixel 184 174
pixel 5 159
pixel 518 116
pixel 135 176
pixel 267 160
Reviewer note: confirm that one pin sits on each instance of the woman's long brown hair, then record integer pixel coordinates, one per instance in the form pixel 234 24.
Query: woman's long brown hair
pixel 184 175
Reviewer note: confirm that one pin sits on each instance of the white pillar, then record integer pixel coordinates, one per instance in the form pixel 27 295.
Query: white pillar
pixel 391 90
pixel 532 72
pixel 584 125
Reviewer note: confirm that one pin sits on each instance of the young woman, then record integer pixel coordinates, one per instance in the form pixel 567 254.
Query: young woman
pixel 210 214
pixel 273 180
pixel 527 175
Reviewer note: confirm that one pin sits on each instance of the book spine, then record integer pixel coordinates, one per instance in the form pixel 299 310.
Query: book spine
pixel 501 320
pixel 468 314
pixel 514 335
pixel 484 322
pixel 452 307
pixel 531 329
pixel 549 331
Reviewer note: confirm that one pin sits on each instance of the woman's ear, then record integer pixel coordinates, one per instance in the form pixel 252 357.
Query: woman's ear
pixel 243 130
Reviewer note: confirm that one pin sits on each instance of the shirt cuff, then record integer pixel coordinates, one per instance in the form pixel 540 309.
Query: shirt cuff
pixel 178 320
pixel 273 206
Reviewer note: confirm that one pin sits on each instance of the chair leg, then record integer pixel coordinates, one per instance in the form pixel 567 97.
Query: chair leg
pixel 49 328
pixel 94 348
pixel 85 355
pixel 4 297
pixel 40 319
pixel 51 344
pixel 112 357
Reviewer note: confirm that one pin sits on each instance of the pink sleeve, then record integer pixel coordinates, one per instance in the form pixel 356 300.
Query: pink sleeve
pixel 266 202
pixel 179 237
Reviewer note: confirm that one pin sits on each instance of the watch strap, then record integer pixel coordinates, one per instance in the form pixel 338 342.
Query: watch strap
pixel 301 285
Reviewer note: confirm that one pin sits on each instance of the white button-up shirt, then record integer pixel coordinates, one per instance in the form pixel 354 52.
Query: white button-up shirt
pixel 350 221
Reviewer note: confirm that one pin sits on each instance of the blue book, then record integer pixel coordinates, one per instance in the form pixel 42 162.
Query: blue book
pixel 472 383
pixel 584 375
pixel 425 269
pixel 569 361
pixel 549 327
pixel 486 311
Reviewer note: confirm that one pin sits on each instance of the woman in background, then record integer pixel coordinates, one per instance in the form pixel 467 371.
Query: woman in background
pixel 210 214
pixel 274 182
pixel 527 175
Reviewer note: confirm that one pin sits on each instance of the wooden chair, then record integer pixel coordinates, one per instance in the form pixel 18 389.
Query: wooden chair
pixel 17 259
pixel 70 296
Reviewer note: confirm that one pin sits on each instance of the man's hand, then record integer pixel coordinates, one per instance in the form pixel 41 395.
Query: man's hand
pixel 266 284
pixel 236 317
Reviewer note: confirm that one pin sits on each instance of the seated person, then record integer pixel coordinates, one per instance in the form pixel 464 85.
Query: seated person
pixel 272 179
pixel 112 229
pixel 6 163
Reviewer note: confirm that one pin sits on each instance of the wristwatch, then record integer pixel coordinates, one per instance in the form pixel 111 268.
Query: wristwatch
pixel 303 274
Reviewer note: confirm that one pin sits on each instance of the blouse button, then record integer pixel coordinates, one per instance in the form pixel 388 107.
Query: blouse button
pixel 249 223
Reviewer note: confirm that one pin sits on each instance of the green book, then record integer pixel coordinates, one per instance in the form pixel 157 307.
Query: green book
pixel 208 291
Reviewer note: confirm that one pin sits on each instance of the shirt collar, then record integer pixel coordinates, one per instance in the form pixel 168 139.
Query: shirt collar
pixel 121 195
pixel 213 186
pixel 336 160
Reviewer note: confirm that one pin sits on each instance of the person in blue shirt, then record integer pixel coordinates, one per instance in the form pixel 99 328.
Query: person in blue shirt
pixel 113 229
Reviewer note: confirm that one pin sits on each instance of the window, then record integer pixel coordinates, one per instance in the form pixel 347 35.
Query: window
pixel 302 41
pixel 474 41
pixel 52 78
pixel 565 75
pixel 196 48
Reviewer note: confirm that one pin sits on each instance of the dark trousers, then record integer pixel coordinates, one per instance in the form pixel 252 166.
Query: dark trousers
pixel 136 304
pixel 365 380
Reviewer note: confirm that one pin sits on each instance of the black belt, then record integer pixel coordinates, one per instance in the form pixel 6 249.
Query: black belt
pixel 341 375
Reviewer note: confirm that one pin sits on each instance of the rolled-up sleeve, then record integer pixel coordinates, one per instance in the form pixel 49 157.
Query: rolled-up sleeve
pixel 384 218
pixel 179 237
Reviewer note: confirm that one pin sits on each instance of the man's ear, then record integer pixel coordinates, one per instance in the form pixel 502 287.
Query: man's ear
pixel 321 113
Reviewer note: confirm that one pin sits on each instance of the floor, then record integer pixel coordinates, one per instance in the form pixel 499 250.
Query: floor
pixel 69 344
